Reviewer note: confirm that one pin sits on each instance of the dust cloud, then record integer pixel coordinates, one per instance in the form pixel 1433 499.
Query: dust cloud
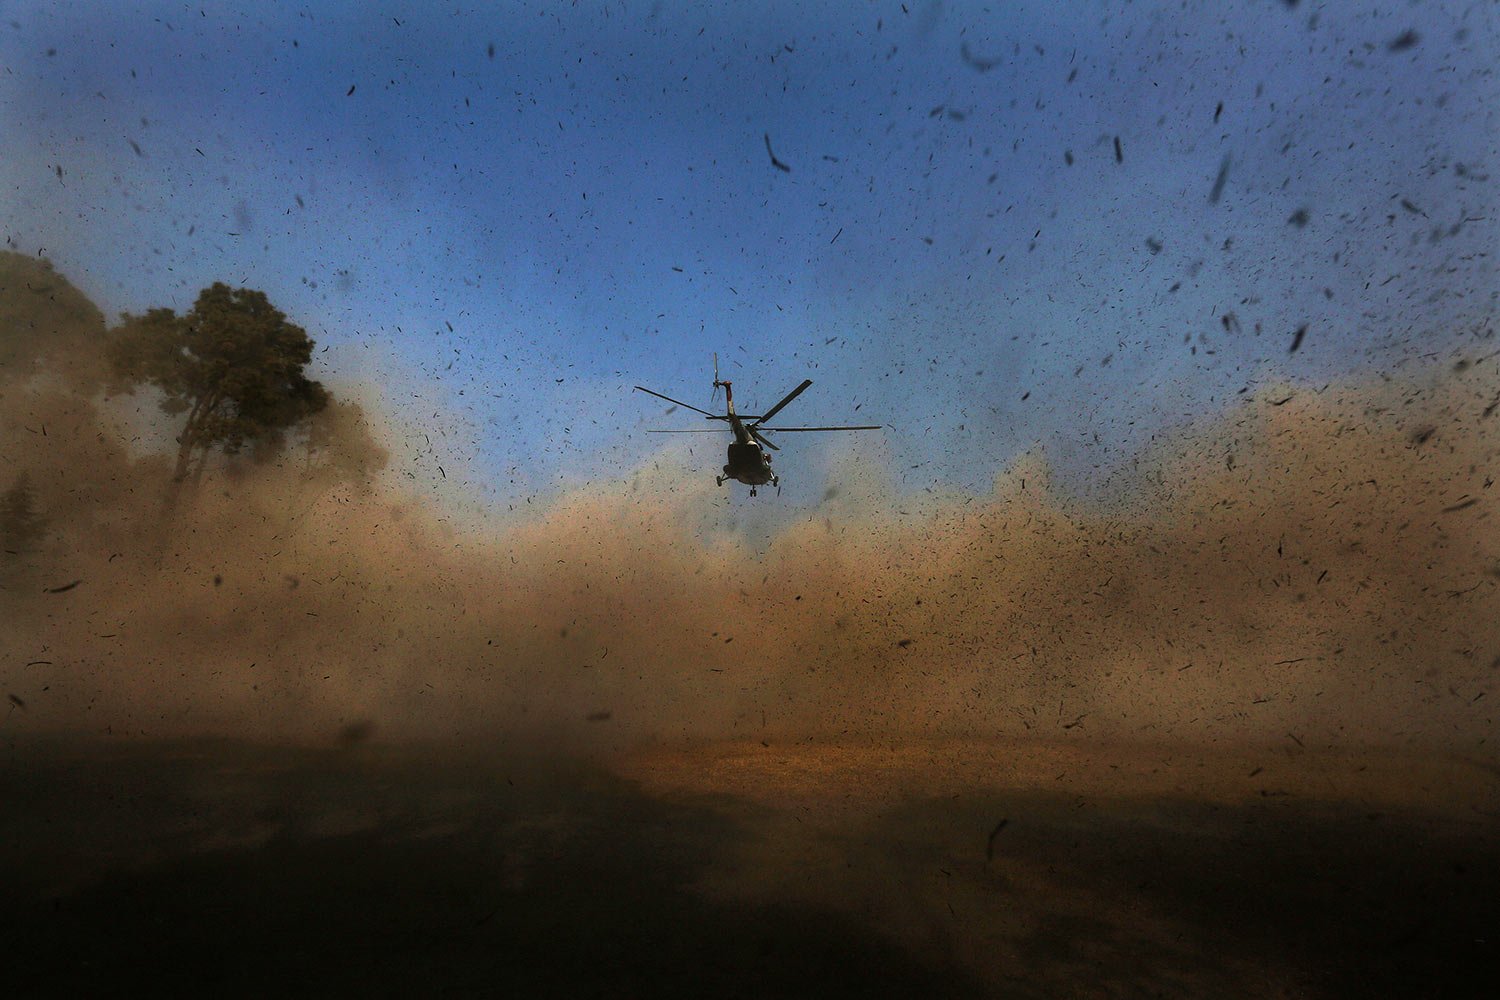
pixel 1317 564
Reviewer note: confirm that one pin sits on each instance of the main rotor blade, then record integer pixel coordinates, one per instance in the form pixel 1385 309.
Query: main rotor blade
pixel 796 430
pixel 677 401
pixel 789 397
pixel 763 440
pixel 705 430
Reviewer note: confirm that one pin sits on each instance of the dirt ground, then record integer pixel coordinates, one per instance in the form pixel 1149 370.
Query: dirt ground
pixel 958 868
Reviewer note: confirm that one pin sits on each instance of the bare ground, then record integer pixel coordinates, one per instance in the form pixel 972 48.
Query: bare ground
pixel 959 868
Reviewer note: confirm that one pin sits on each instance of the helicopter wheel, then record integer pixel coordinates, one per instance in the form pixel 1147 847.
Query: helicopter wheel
pixel 719 480
pixel 752 491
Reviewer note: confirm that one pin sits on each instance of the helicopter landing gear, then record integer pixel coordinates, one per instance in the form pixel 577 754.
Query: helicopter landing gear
pixel 752 491
pixel 718 480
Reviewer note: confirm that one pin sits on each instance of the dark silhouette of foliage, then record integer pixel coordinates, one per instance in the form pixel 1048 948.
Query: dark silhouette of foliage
pixel 21 524
pixel 233 366
pixel 47 325
pixel 339 448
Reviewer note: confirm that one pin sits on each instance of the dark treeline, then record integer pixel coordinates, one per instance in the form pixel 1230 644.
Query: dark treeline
pixel 107 426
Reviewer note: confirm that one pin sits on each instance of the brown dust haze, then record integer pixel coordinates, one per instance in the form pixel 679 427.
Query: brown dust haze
pixel 1317 566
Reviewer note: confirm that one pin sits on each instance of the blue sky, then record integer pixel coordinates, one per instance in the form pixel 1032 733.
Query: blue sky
pixel 522 210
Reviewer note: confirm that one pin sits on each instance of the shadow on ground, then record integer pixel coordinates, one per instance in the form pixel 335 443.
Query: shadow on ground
pixel 218 869
pixel 1132 897
pixel 226 869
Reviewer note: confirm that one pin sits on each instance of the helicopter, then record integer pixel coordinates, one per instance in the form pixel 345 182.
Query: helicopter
pixel 749 462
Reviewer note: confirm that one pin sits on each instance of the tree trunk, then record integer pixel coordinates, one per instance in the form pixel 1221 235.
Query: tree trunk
pixel 185 443
pixel 189 440
pixel 175 485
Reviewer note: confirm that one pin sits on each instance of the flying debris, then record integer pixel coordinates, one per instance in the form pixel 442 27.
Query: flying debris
pixel 1406 40
pixel 775 162
pixel 989 847
pixel 356 732
pixel 975 62
pixel 1218 189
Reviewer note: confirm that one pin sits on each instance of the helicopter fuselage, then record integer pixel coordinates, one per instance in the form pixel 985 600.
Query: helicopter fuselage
pixel 748 461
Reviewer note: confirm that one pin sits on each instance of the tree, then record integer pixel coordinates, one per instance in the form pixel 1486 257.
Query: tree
pixel 233 365
pixel 340 448
pixel 20 524
pixel 47 326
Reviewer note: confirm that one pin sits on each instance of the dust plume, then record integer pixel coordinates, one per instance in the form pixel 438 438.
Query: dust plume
pixel 1316 565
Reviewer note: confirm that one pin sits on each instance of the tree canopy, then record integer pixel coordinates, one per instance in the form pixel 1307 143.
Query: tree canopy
pixel 234 365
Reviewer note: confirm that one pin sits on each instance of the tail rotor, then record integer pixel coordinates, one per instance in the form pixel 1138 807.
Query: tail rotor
pixel 718 383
